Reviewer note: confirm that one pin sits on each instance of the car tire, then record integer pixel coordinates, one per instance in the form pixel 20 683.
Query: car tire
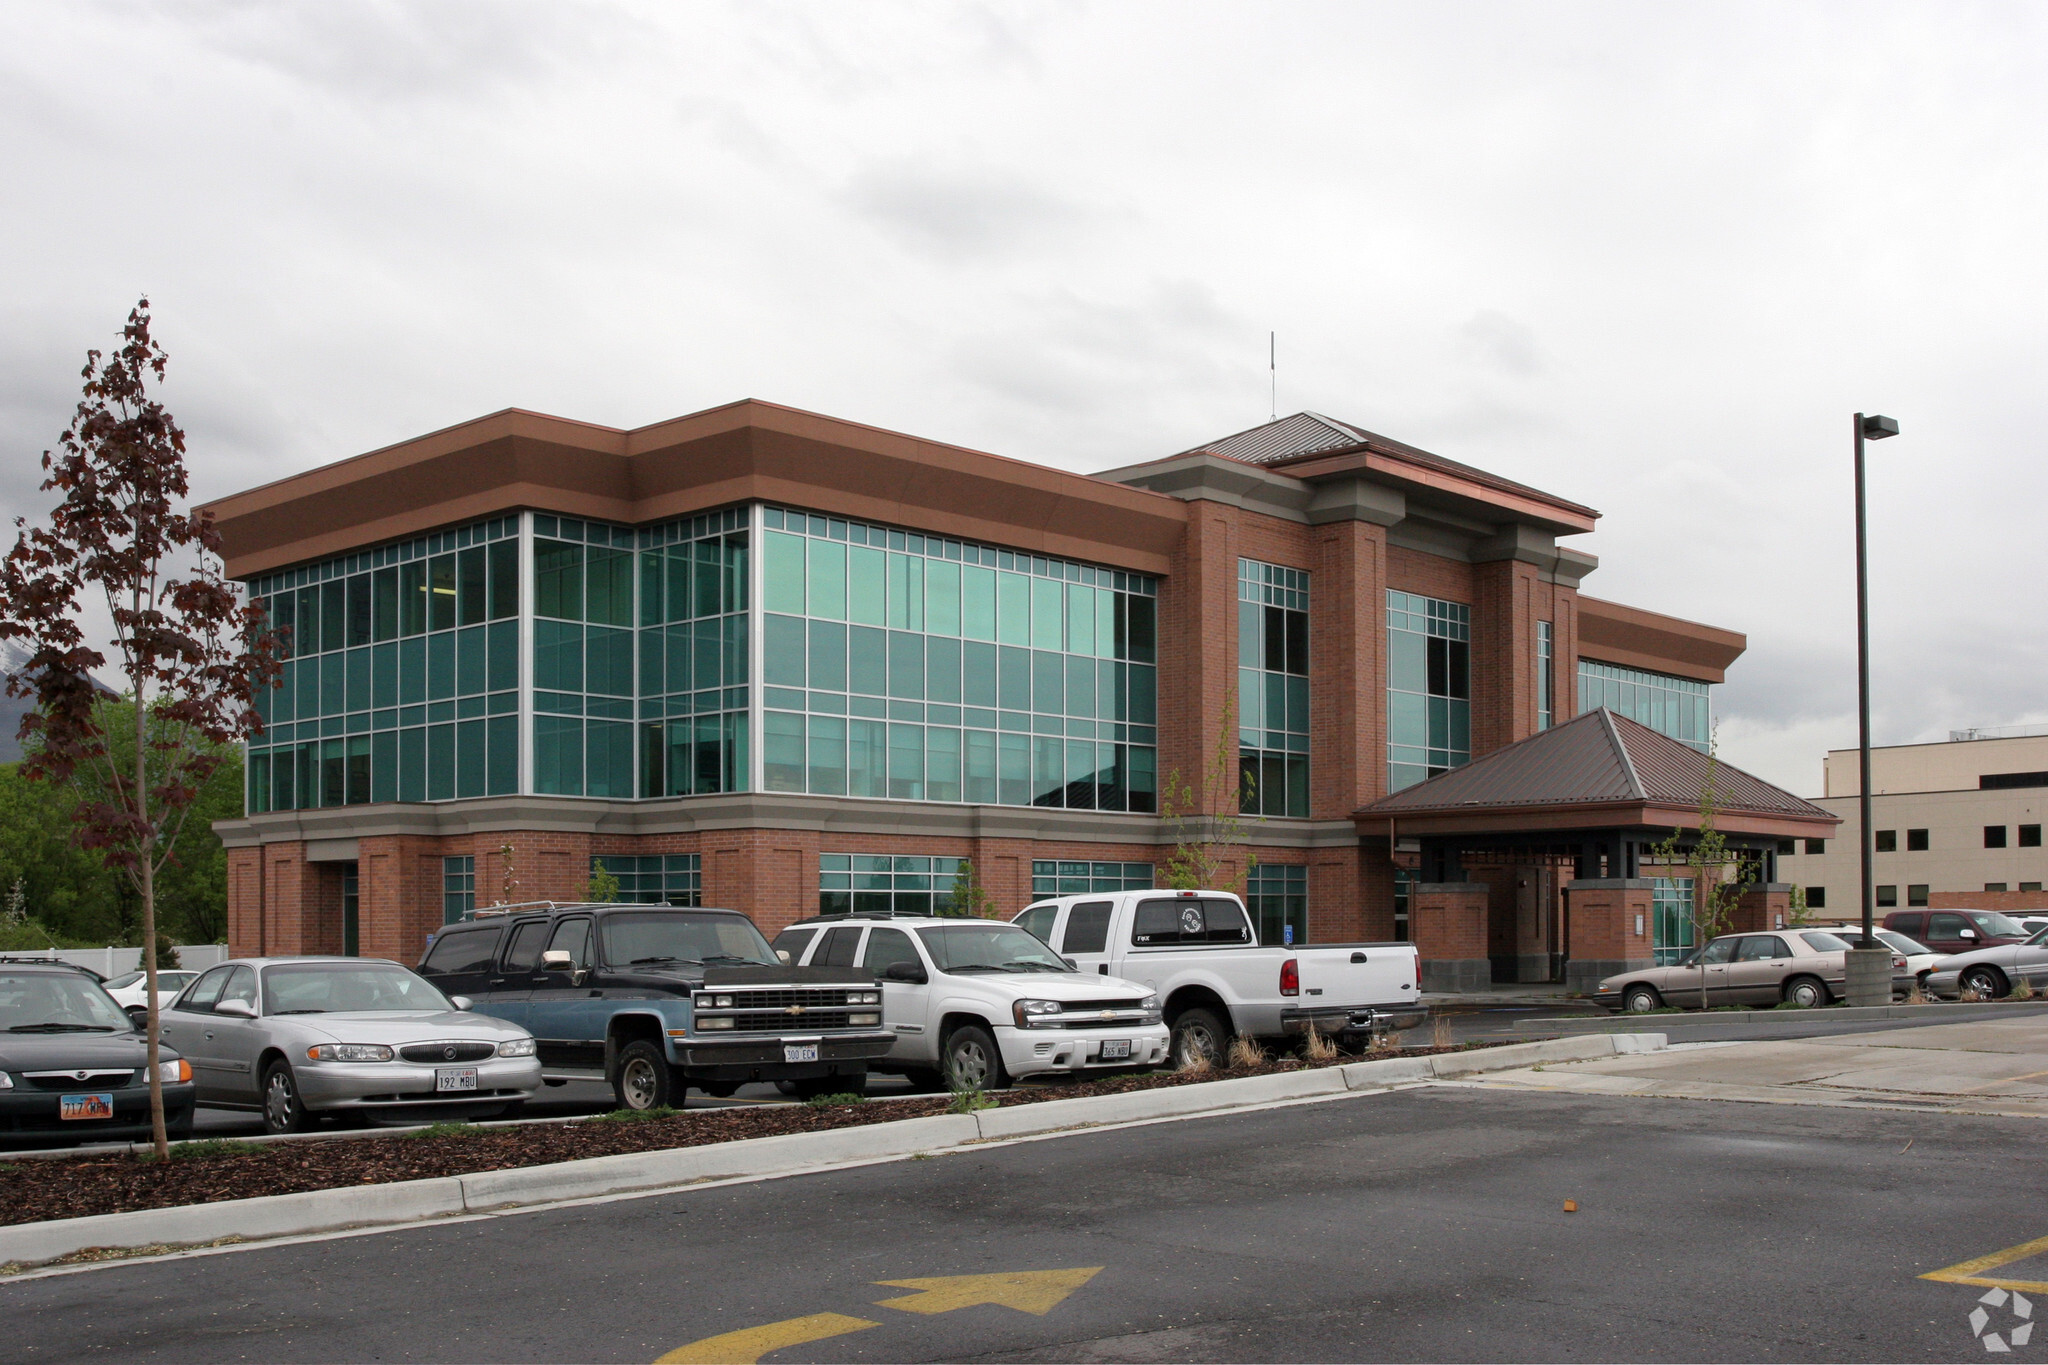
pixel 1807 992
pixel 1198 1030
pixel 1988 982
pixel 972 1060
pixel 642 1081
pixel 1641 1000
pixel 283 1110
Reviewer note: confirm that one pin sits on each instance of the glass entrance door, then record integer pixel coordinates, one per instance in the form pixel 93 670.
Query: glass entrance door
pixel 350 938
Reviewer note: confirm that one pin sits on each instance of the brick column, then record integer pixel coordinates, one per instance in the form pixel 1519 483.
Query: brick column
pixel 1347 669
pixel 245 901
pixel 1765 906
pixel 1448 920
pixel 1607 928
pixel 1198 652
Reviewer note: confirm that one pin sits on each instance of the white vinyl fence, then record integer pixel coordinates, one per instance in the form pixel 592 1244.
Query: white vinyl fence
pixel 112 962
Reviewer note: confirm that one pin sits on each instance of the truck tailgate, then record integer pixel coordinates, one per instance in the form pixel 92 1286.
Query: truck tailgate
pixel 1357 973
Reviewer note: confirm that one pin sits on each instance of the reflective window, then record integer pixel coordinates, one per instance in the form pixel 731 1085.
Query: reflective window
pixel 1278 898
pixel 885 884
pixel 1671 706
pixel 1054 878
pixel 655 878
pixel 1272 689
pixel 1546 661
pixel 458 888
pixel 1671 935
pixel 400 674
pixel 1429 687
pixel 917 668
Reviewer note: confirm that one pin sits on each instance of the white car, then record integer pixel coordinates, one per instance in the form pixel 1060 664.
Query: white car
pixel 974 1003
pixel 1920 958
pixel 131 989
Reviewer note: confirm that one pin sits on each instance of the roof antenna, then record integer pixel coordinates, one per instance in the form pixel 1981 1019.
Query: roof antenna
pixel 1273 372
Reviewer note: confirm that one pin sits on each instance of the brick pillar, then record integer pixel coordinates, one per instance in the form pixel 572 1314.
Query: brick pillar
pixel 1448 920
pixel 291 901
pixel 1503 654
pixel 1198 653
pixel 1763 907
pixel 1376 891
pixel 1347 669
pixel 771 876
pixel 1607 928
pixel 1336 900
pixel 245 901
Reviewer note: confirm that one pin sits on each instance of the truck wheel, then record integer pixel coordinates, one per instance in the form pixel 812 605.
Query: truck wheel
pixel 1198 1032
pixel 642 1080
pixel 973 1061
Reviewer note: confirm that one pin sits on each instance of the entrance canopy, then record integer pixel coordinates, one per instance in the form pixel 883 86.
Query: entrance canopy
pixel 1596 789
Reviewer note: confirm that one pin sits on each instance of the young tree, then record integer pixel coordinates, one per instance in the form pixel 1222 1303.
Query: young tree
pixel 603 886
pixel 969 899
pixel 1207 820
pixel 1720 874
pixel 192 654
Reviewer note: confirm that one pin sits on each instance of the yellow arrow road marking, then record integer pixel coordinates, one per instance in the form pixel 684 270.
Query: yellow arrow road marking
pixel 750 1344
pixel 1972 1271
pixel 1028 1291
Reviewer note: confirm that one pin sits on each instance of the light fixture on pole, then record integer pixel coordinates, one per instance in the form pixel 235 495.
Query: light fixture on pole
pixel 1869 973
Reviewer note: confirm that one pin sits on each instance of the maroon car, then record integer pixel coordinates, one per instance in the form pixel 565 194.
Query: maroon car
pixel 1957 931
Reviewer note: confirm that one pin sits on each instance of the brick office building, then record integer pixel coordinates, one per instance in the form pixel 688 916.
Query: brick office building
pixel 771 660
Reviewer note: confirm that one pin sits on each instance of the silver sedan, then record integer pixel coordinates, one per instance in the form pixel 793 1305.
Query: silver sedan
pixel 297 1037
pixel 1993 972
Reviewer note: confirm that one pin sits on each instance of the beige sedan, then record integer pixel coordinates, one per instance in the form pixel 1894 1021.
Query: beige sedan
pixel 1803 967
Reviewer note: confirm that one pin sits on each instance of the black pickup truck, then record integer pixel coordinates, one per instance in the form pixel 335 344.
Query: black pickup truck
pixel 652 999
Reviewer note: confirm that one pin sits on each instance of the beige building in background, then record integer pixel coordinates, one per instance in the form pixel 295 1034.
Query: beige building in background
pixel 1958 825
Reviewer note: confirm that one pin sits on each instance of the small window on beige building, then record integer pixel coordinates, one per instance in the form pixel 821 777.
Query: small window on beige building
pixel 2030 886
pixel 1816 846
pixel 1888 895
pixel 1916 841
pixel 1887 841
pixel 1916 895
pixel 1994 886
pixel 2030 836
pixel 1994 836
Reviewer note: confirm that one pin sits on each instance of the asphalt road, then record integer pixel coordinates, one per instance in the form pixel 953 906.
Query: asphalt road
pixel 1425 1224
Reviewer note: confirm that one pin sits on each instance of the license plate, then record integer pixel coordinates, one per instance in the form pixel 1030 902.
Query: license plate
pixel 1116 1049
pixel 85 1106
pixel 800 1052
pixel 455 1078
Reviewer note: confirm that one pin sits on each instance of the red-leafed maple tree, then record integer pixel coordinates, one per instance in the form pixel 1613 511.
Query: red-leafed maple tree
pixel 192 654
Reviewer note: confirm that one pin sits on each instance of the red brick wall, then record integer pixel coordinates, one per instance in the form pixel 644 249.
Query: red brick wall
pixel 2007 901
pixel 1448 919
pixel 1603 922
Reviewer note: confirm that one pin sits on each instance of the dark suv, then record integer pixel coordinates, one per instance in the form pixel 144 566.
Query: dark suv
pixel 1957 931
pixel 652 999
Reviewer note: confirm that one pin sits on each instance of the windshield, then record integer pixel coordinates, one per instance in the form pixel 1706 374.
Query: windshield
pixel 1827 943
pixel 57 1002
pixel 2040 938
pixel 988 947
pixel 125 979
pixel 2005 926
pixel 334 988
pixel 667 936
pixel 1900 942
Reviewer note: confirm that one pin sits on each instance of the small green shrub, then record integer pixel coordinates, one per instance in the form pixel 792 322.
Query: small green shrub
pixel 968 1101
pixel 635 1115
pixel 443 1130
pixel 208 1149
pixel 834 1101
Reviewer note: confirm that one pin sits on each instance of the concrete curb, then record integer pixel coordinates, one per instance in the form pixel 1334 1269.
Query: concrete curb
pixel 416 1200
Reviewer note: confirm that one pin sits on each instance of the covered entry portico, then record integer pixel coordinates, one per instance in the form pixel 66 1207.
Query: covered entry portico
pixel 1533 861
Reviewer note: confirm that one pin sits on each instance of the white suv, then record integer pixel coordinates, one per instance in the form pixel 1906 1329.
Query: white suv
pixel 974 1003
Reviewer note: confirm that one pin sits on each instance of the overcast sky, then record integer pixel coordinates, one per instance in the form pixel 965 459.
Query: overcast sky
pixel 1648 257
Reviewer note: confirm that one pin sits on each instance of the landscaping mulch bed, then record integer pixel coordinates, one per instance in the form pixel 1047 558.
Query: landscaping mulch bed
pixel 207 1172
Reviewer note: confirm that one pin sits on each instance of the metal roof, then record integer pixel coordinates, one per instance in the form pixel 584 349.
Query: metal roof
pixel 1599 758
pixel 1308 434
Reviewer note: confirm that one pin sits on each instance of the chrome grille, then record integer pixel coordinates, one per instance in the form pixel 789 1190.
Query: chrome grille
pixel 448 1052
pixel 781 1022
pixel 783 999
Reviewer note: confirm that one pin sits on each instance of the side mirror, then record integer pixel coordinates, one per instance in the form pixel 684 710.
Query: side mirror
pixel 905 971
pixel 241 1009
pixel 140 1014
pixel 461 1002
pixel 555 960
pixel 782 954
pixel 1072 965
pixel 1969 933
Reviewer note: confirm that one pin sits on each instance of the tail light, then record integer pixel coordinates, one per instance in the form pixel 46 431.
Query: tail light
pixel 1290 977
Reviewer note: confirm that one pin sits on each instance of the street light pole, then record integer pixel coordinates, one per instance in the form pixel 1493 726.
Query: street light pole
pixel 1869 965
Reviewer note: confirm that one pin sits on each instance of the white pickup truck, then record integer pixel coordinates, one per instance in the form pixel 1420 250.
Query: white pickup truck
pixel 1198 952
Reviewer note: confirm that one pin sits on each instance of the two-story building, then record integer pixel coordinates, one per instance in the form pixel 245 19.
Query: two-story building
pixel 766 659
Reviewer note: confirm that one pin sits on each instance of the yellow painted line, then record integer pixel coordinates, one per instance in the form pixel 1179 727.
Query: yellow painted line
pixel 748 1345
pixel 1028 1291
pixel 1972 1271
pixel 2008 1080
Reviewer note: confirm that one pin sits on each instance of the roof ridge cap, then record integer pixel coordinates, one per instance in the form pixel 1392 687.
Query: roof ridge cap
pixel 1628 762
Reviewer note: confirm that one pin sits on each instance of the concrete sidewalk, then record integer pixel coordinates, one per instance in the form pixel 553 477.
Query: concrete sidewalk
pixel 1982 1067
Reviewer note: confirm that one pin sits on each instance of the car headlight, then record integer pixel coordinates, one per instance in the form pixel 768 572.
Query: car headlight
pixel 860 1020
pixel 174 1073
pixel 712 1002
pixel 863 997
pixel 1150 1004
pixel 349 1052
pixel 1037 1013
pixel 516 1047
pixel 723 1022
pixel 6 1081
